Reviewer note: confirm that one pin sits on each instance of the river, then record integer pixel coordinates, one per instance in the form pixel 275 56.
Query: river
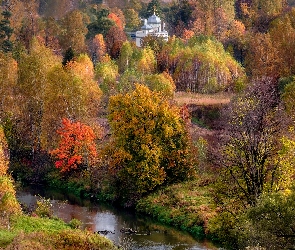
pixel 116 224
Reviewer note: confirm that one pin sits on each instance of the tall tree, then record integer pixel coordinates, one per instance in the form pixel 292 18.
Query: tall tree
pixel 73 32
pixel 150 143
pixel 114 41
pixel 32 81
pixel 250 155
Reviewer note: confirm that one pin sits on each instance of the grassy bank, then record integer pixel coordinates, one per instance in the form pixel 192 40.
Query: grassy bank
pixel 28 232
pixel 187 206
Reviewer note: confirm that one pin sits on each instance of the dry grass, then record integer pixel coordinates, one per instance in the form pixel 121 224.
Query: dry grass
pixel 202 99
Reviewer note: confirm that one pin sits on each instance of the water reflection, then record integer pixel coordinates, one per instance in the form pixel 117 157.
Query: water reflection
pixel 149 235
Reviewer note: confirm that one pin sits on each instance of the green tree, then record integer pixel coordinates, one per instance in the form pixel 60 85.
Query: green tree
pixel 272 221
pixel 68 56
pixel 101 25
pixel 6 32
pixel 132 19
pixel 150 142
pixel 153 7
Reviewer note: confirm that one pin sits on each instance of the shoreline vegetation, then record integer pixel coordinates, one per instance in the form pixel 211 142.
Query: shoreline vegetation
pixel 39 230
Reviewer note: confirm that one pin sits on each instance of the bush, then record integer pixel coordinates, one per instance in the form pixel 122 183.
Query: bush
pixel 44 207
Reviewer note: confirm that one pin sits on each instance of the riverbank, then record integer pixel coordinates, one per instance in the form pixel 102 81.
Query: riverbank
pixel 188 206
pixel 40 230
pixel 27 232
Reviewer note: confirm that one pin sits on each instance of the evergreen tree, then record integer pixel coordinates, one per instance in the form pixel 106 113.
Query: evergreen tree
pixel 5 32
pixel 153 8
pixel 69 55
pixel 101 25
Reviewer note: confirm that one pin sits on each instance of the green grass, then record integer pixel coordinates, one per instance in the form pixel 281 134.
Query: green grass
pixel 43 233
pixel 6 237
pixel 30 224
pixel 188 206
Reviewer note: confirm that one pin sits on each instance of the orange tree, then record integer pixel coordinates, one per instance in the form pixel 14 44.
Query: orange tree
pixel 77 149
pixel 150 146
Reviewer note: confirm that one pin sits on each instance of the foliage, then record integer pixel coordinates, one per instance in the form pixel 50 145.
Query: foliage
pixel 202 67
pixel 75 223
pixel 187 205
pixel 8 202
pixel 44 207
pixel 107 73
pixel 161 83
pixel 73 31
pixel 101 25
pixel 150 142
pixel 272 220
pixel 132 19
pixel 76 149
pixel 4 161
pixel 40 233
pixel 6 31
pixel 250 156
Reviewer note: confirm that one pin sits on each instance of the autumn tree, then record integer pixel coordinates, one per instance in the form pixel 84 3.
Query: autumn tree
pixel 49 34
pixel 125 57
pixel 107 73
pixel 161 83
pixel 32 85
pixel 262 57
pixel 150 144
pixel 73 32
pixel 115 38
pixel 8 83
pixel 71 92
pixel 117 20
pixel 76 150
pixel 257 14
pixel 98 48
pixel 191 67
pixel 282 35
pixel 250 156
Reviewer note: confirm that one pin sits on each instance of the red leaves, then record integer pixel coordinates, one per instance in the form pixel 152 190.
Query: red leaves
pixel 76 146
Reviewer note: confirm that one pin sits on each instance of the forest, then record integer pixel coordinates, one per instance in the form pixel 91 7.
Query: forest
pixel 197 131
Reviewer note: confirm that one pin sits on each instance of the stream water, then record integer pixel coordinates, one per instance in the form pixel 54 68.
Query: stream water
pixel 116 224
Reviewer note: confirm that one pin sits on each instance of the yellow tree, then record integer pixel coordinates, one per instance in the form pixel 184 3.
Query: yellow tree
pixel 32 83
pixel 150 143
pixel 71 93
pixel 8 83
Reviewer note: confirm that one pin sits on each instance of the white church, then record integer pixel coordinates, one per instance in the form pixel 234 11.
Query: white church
pixel 153 26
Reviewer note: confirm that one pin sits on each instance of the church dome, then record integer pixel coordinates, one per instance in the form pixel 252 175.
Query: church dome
pixel 146 27
pixel 154 19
